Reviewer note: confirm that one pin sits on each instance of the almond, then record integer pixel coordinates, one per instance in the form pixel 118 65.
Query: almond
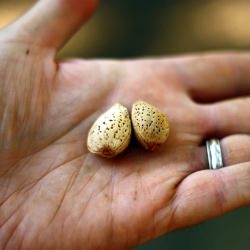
pixel 150 125
pixel 111 132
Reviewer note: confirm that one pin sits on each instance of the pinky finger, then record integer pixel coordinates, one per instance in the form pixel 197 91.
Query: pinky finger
pixel 210 193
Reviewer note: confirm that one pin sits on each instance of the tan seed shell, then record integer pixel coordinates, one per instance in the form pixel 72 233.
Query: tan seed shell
pixel 150 125
pixel 111 132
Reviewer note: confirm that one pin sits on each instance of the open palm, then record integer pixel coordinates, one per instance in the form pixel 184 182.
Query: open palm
pixel 56 195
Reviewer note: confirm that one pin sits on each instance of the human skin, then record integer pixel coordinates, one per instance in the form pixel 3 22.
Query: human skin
pixel 56 195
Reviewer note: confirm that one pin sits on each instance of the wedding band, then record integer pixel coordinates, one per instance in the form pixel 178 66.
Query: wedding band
pixel 214 154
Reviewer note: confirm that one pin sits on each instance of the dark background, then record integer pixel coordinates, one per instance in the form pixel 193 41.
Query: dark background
pixel 139 28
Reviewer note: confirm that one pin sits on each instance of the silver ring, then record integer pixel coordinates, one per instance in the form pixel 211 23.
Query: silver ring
pixel 214 154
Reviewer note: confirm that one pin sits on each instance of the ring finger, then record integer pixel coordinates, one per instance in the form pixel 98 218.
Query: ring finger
pixel 235 149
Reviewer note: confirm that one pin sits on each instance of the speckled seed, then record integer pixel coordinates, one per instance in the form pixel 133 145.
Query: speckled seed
pixel 150 125
pixel 111 132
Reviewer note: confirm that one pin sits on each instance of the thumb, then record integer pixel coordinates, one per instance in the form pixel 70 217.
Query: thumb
pixel 51 23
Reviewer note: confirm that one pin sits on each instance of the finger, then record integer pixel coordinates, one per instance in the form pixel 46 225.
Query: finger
pixel 210 193
pixel 51 23
pixel 228 117
pixel 215 77
pixel 235 149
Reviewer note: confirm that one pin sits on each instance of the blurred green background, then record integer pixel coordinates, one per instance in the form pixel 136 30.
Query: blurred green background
pixel 139 28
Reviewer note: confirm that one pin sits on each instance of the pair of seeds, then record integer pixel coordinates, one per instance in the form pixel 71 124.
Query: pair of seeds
pixel 111 133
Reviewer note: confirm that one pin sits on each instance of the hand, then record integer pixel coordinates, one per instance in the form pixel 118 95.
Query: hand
pixel 56 195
